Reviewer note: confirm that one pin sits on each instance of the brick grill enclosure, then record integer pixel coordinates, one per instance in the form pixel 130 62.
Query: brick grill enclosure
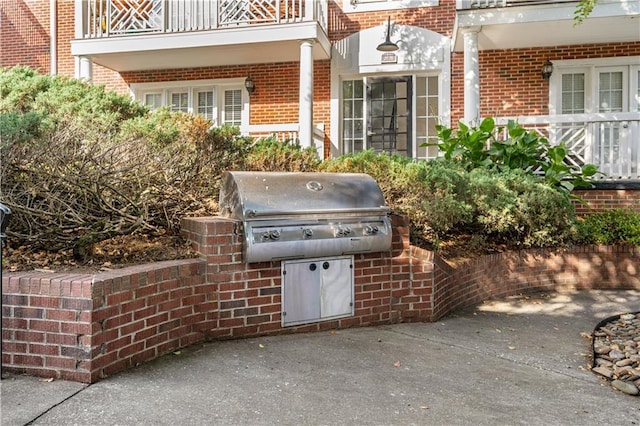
pixel 87 327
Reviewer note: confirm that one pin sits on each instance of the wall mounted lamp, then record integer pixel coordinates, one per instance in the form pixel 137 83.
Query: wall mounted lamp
pixel 249 85
pixel 547 70
pixel 388 45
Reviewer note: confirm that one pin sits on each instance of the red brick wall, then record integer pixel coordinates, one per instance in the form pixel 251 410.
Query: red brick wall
pixel 24 34
pixel 84 327
pixel 437 18
pixel 511 273
pixel 598 200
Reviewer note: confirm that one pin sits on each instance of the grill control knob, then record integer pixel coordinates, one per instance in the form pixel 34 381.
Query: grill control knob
pixel 307 233
pixel 265 236
pixel 274 235
pixel 371 229
pixel 343 231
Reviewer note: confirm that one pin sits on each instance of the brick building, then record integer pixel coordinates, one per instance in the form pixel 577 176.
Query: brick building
pixel 319 77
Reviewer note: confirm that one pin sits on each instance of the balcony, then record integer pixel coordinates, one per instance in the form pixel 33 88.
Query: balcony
pixel 608 140
pixel 514 24
pixel 134 35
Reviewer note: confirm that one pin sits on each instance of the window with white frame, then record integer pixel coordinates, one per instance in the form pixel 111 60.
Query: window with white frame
pixel 221 102
pixel 608 87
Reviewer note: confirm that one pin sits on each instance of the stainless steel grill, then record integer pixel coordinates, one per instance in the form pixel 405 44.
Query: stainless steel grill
pixel 306 215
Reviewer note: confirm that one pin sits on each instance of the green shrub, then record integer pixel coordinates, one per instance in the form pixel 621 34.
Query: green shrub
pixel 269 154
pixel 80 165
pixel 520 209
pixel 615 226
pixel 443 199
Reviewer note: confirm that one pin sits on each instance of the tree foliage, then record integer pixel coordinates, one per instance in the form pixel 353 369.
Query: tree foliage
pixel 583 10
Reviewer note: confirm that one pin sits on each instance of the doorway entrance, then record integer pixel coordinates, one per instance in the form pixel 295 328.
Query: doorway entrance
pixel 389 115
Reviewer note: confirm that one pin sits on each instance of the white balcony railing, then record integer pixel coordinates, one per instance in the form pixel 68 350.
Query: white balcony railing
pixel 106 18
pixel 611 141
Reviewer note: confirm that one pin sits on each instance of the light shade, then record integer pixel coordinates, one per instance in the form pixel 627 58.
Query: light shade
pixel 388 45
pixel 547 70
pixel 249 85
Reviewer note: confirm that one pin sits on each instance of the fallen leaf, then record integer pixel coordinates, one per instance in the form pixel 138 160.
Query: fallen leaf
pixel 261 345
pixel 513 348
pixel 177 352
pixel 498 330
pixel 49 380
pixel 424 407
pixel 585 335
pixel 396 364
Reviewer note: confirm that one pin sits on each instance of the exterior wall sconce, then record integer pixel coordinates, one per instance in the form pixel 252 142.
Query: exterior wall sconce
pixel 547 70
pixel 249 85
pixel 388 45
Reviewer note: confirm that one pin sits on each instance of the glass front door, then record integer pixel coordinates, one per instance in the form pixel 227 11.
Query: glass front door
pixel 389 115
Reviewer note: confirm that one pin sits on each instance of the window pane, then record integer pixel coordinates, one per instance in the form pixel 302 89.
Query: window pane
pixel 205 104
pixel 352 113
pixel 610 91
pixel 572 93
pixel 232 107
pixel 180 101
pixel 427 115
pixel 153 100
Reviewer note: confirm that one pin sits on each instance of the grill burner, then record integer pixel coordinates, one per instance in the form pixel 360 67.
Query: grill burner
pixel 305 215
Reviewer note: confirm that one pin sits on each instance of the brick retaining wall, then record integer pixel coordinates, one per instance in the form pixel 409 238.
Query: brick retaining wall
pixel 86 327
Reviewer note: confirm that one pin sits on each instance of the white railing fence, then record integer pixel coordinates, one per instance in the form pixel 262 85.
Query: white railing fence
pixel 105 18
pixel 611 141
pixel 287 133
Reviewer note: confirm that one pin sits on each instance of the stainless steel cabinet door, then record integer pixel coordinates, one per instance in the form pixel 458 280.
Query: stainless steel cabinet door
pixel 316 289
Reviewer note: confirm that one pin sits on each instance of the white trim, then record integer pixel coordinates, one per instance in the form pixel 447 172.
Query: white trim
pixel 136 87
pixel 356 6
pixel 634 88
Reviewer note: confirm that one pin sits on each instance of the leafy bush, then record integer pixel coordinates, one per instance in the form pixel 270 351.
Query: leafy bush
pixel 524 150
pixel 615 226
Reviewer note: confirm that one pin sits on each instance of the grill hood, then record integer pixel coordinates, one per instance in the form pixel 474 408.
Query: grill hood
pixel 295 215
pixel 268 195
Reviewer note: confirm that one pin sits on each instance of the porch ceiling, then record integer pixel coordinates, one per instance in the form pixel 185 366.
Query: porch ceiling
pixel 523 27
pixel 264 44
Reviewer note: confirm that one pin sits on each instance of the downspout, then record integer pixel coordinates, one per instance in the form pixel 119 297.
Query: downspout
pixel 53 43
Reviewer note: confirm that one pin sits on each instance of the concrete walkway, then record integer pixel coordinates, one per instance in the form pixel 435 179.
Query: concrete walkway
pixel 514 361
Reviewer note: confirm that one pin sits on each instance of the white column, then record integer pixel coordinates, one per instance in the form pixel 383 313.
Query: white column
pixel 53 38
pixel 305 114
pixel 84 70
pixel 471 76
